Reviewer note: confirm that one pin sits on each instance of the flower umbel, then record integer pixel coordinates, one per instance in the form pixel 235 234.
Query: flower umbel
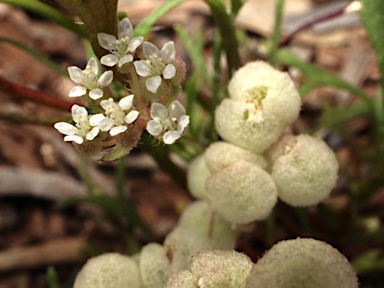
pixel 87 80
pixel 167 124
pixel 121 49
pixel 158 63
pixel 118 115
pixel 82 128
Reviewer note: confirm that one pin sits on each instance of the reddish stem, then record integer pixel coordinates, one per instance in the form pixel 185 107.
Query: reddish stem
pixel 29 94
pixel 309 24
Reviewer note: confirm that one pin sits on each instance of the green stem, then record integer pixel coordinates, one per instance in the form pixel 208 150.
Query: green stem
pixel 302 214
pixel 271 225
pixel 276 32
pixel 217 48
pixel 227 31
pixel 159 153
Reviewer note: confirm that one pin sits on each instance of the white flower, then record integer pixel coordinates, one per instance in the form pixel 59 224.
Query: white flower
pixel 121 49
pixel 82 128
pixel 87 79
pixel 118 115
pixel 158 63
pixel 168 123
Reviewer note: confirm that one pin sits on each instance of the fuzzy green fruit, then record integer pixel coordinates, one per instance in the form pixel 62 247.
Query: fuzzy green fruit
pixel 272 89
pixel 242 193
pixel 305 172
pixel 220 155
pixel 305 263
pixel 200 218
pixel 221 268
pixel 197 175
pixel 154 266
pixel 110 270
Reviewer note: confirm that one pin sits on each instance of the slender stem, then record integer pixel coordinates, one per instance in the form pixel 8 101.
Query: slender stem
pixel 271 225
pixel 227 31
pixel 29 94
pixel 311 23
pixel 302 215
pixel 216 82
pixel 160 155
pixel 276 32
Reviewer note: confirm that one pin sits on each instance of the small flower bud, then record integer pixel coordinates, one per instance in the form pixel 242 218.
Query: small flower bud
pixel 305 172
pixel 154 266
pixel 221 268
pixel 242 193
pixel 302 263
pixel 197 176
pixel 220 155
pixel 110 270
pixel 200 218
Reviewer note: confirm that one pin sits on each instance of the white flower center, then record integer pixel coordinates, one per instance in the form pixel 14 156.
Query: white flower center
pixel 156 63
pixel 121 47
pixel 90 80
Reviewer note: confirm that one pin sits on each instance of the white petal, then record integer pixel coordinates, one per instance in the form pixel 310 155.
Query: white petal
pixel 158 111
pixel 93 133
pixel 109 60
pixel 126 59
pixel 96 94
pixel 125 28
pixel 149 49
pixel 171 136
pixel 66 128
pixel 176 110
pixel 106 78
pixel 93 64
pixel 107 104
pixel 106 124
pixel 77 91
pixel 126 102
pixel 153 83
pixel 117 130
pixel 168 52
pixel 169 71
pixel 182 123
pixel 134 43
pixel 95 120
pixel 142 68
pixel 76 74
pixel 105 39
pixel 131 116
pixel 77 110
pixel 74 138
pixel 154 127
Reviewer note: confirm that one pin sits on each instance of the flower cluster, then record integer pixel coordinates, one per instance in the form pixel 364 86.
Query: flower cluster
pixel 106 116
pixel 168 124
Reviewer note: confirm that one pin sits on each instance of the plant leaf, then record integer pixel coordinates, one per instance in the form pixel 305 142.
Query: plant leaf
pixel 35 54
pixel 317 77
pixel 98 16
pixel 145 26
pixel 372 16
pixel 48 12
